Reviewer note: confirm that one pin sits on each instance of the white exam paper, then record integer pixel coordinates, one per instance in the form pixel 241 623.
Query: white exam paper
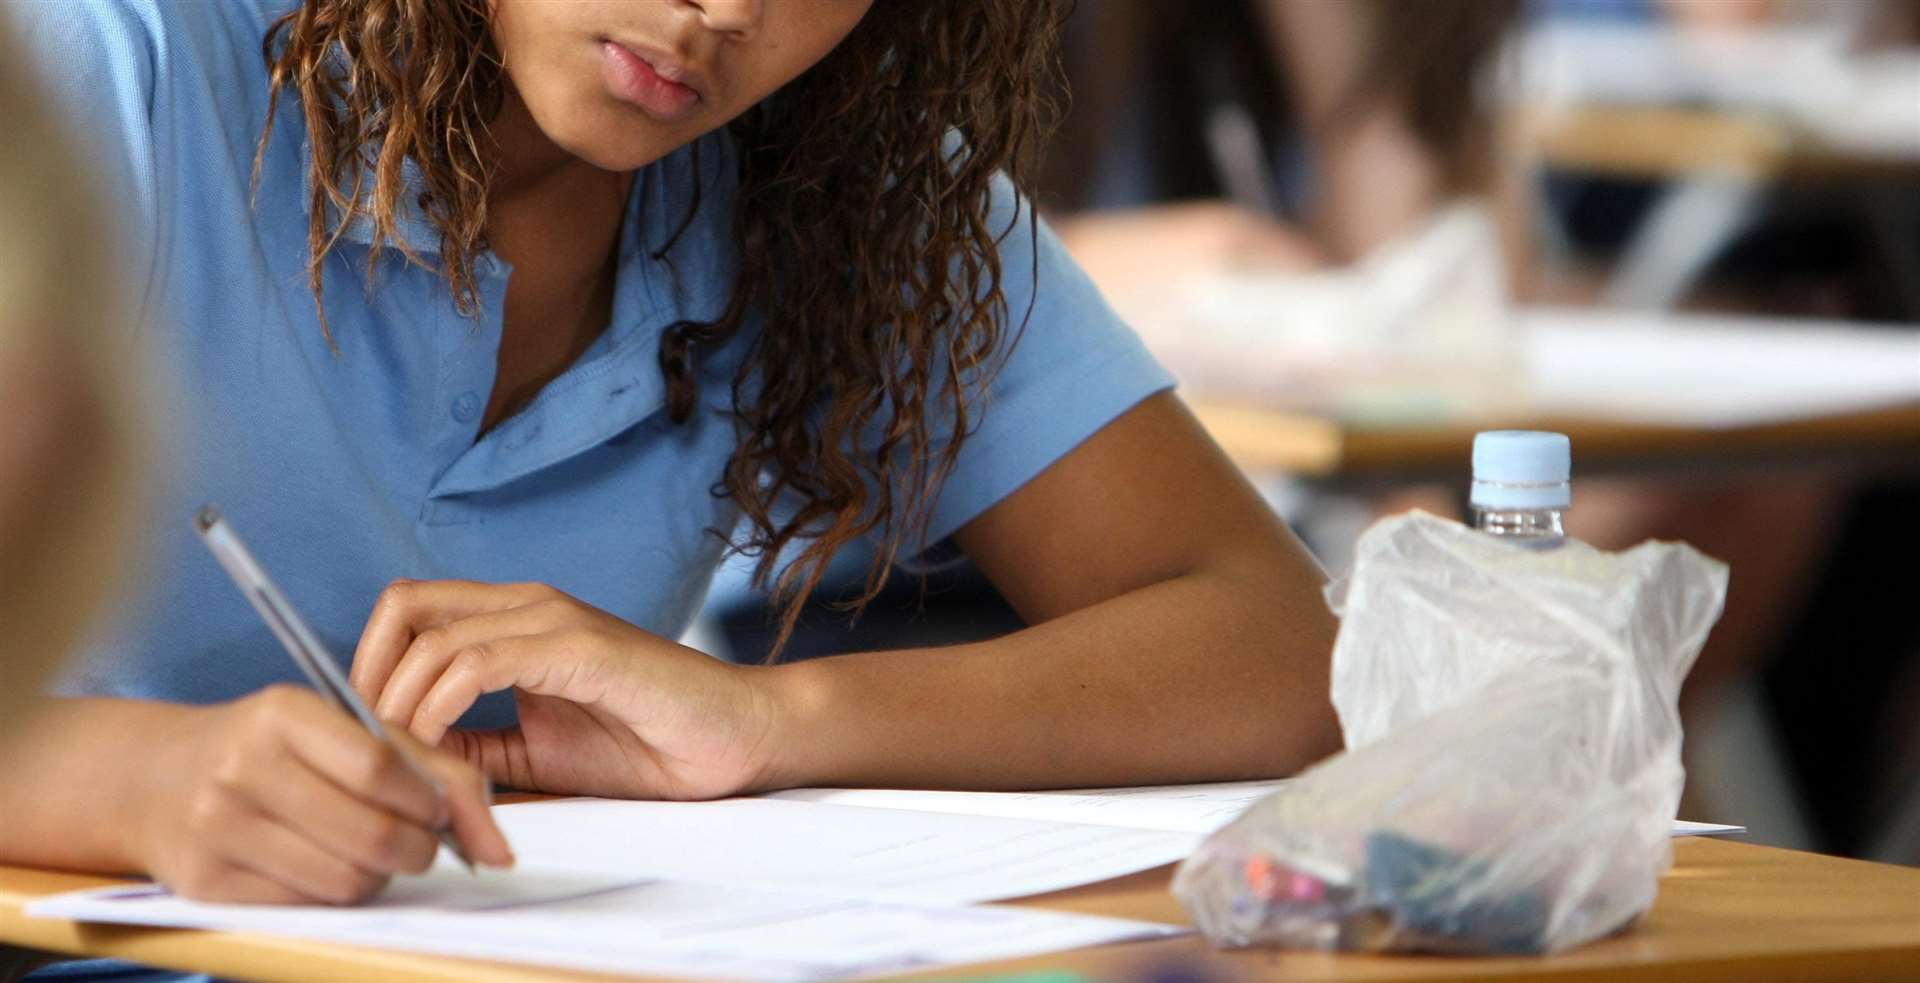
pixel 649 927
pixel 921 857
pixel 1682 827
pixel 1177 808
pixel 808 884
pixel 1171 808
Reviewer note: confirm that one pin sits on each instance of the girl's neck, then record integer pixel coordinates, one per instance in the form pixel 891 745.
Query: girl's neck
pixel 548 209
pixel 557 220
pixel 525 156
pixel 529 163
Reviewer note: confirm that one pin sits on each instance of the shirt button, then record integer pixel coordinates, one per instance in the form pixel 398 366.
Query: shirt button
pixel 466 407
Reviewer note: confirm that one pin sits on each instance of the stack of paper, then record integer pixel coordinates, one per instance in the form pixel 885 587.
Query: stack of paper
pixel 609 924
pixel 833 848
pixel 809 884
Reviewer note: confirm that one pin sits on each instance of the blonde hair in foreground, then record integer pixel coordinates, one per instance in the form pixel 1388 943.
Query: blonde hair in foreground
pixel 66 456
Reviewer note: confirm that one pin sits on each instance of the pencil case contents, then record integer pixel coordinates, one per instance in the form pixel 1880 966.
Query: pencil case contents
pixel 1513 752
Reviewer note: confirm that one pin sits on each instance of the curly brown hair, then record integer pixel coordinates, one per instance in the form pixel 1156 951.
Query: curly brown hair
pixel 863 231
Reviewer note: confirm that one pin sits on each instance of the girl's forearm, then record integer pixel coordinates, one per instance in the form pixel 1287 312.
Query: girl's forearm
pixel 1185 680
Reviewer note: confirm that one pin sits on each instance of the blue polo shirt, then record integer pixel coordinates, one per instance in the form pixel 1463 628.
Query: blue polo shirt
pixel 348 466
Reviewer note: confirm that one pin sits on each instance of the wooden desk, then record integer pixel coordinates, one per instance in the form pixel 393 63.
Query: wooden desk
pixel 1727 911
pixel 1717 164
pixel 1321 448
pixel 1593 372
pixel 1664 142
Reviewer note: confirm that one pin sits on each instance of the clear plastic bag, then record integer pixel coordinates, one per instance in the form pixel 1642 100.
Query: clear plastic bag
pixel 1513 763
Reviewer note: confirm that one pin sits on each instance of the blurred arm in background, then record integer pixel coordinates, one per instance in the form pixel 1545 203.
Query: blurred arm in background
pixel 1266 134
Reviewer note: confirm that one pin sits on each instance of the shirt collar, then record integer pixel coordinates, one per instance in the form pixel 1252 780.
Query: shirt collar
pixel 618 381
pixel 414 231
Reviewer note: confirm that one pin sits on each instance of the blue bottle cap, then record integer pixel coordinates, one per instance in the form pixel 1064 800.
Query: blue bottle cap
pixel 1522 469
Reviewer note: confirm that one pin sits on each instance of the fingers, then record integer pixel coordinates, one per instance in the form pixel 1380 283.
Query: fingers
pixel 409 607
pixel 544 647
pixel 501 755
pixel 571 664
pixel 375 804
pixel 233 849
pixel 282 798
pixel 302 867
pixel 229 883
pixel 427 656
pixel 341 751
pixel 529 662
pixel 469 803
pixel 367 836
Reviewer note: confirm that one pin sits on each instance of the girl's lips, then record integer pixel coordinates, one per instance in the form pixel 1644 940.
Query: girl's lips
pixel 632 79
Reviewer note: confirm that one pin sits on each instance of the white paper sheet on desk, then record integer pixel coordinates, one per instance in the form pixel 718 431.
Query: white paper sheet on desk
pixel 849 851
pixel 1171 808
pixel 649 927
pixel 1704 371
pixel 1682 827
pixel 1197 809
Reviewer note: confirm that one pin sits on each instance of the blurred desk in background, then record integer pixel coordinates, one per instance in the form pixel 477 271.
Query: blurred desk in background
pixel 1652 99
pixel 1636 393
pixel 1666 142
pixel 1719 165
pixel 1726 911
pixel 1317 448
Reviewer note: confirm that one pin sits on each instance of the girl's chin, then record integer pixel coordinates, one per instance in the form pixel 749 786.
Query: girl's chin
pixel 623 146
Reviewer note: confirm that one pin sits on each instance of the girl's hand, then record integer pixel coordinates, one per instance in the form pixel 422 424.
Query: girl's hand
pixel 281 798
pixel 605 708
pixel 1147 248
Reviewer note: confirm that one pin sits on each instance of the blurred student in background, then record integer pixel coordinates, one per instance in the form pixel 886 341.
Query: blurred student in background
pixel 66 456
pixel 1252 137
pixel 1272 134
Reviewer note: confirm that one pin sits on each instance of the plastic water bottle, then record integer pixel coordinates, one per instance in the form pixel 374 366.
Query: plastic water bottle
pixel 1522 485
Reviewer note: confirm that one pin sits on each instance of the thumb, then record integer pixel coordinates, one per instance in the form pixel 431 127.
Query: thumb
pixel 469 800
